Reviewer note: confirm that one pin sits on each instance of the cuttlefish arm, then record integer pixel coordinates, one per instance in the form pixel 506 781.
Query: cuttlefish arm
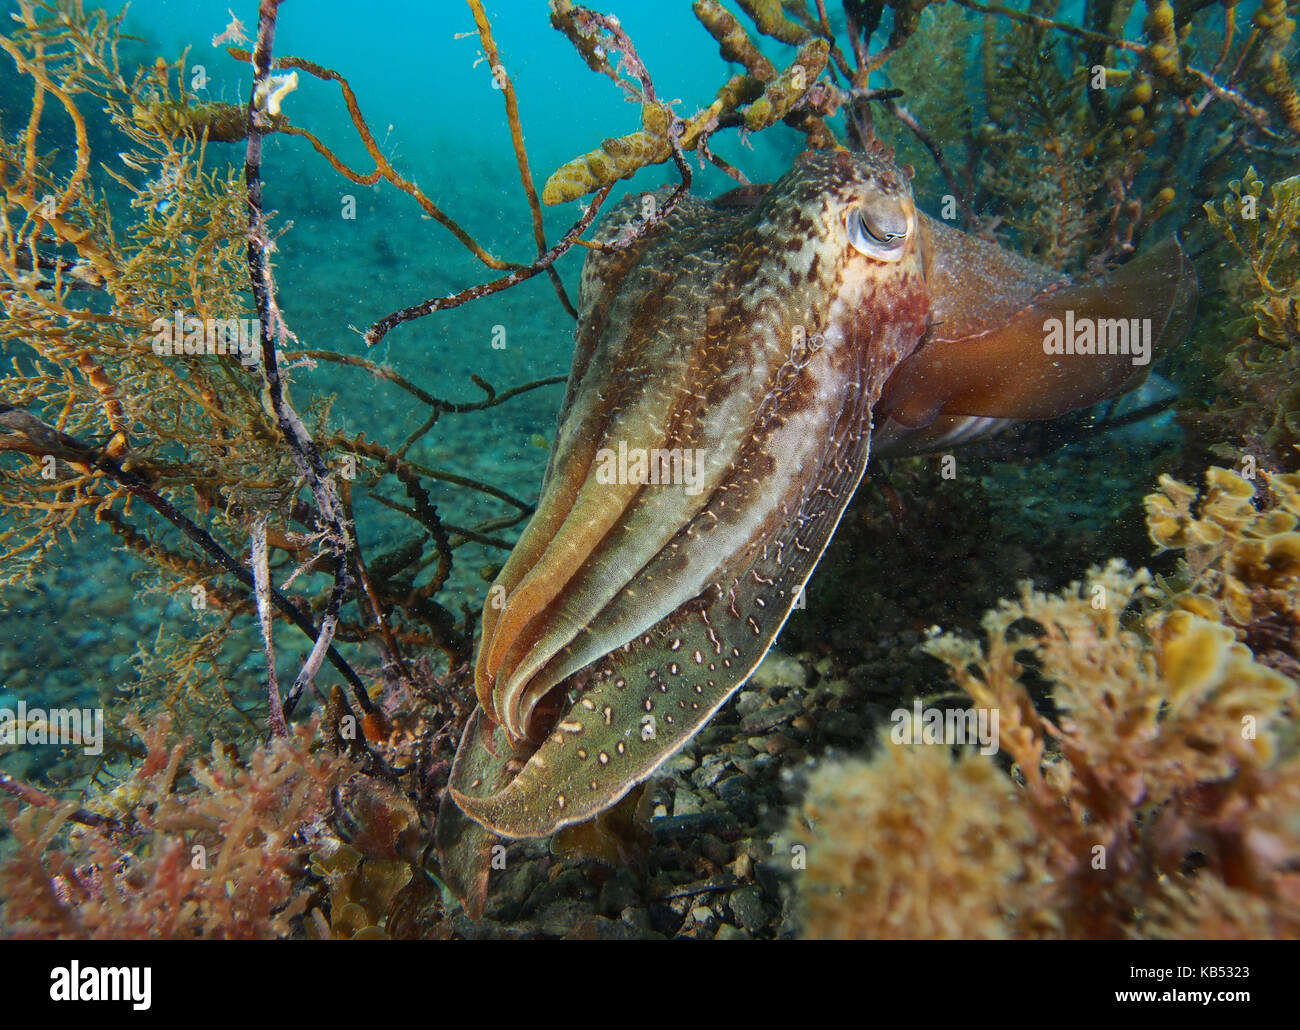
pixel 983 363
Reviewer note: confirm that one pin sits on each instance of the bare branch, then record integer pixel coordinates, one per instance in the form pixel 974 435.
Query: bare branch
pixel 262 591
pixel 305 454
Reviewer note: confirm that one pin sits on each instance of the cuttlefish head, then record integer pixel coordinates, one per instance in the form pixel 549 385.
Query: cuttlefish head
pixel 716 423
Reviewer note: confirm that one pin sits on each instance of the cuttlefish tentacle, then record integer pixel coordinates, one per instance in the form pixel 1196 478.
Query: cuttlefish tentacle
pixel 760 335
pixel 640 396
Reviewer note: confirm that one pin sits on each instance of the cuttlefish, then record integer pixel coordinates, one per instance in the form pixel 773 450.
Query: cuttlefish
pixel 732 367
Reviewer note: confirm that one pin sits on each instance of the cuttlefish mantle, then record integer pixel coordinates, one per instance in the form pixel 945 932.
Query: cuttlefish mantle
pixel 767 336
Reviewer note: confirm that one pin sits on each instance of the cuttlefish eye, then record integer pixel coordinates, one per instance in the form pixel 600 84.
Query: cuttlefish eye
pixel 878 232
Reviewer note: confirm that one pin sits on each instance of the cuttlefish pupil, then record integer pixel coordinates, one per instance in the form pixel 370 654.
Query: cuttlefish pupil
pixel 773 334
pixel 880 233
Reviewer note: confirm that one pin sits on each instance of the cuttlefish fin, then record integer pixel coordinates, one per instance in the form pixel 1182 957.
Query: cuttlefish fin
pixel 996 319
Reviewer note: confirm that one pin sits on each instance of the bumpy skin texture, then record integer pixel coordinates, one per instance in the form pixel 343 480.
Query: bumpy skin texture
pixel 753 332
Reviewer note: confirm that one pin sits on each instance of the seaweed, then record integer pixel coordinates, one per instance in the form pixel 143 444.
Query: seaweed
pixel 1157 802
pixel 222 859
pixel 1260 371
pixel 1241 563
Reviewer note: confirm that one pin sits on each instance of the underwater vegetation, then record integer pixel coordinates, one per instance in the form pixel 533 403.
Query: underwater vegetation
pixel 1260 368
pixel 1158 801
pixel 155 401
pixel 1241 556
pixel 167 889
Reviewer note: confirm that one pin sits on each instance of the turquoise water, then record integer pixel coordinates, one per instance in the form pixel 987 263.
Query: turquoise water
pixel 443 126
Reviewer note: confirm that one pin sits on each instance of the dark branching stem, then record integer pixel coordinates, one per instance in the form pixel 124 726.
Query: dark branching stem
pixel 306 456
pixel 390 322
pixel 232 565
pixel 32 796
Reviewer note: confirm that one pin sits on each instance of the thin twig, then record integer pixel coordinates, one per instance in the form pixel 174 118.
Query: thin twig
pixel 26 792
pixel 517 138
pixel 391 321
pixel 1050 23
pixel 303 450
pixel 388 643
pixel 382 454
pixel 262 592
pixel 383 168
pixel 46 439
pixel 954 187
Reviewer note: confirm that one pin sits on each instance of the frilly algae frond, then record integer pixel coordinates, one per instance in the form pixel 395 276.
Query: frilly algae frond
pixel 913 845
pixel 1261 370
pixel 1267 236
pixel 91 267
pixel 1241 555
pixel 1090 835
pixel 219 859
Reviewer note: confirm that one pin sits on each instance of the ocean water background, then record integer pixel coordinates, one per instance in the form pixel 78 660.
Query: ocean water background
pixel 426 91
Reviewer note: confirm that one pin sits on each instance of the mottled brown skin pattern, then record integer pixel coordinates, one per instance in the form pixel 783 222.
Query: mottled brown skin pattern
pixel 631 612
